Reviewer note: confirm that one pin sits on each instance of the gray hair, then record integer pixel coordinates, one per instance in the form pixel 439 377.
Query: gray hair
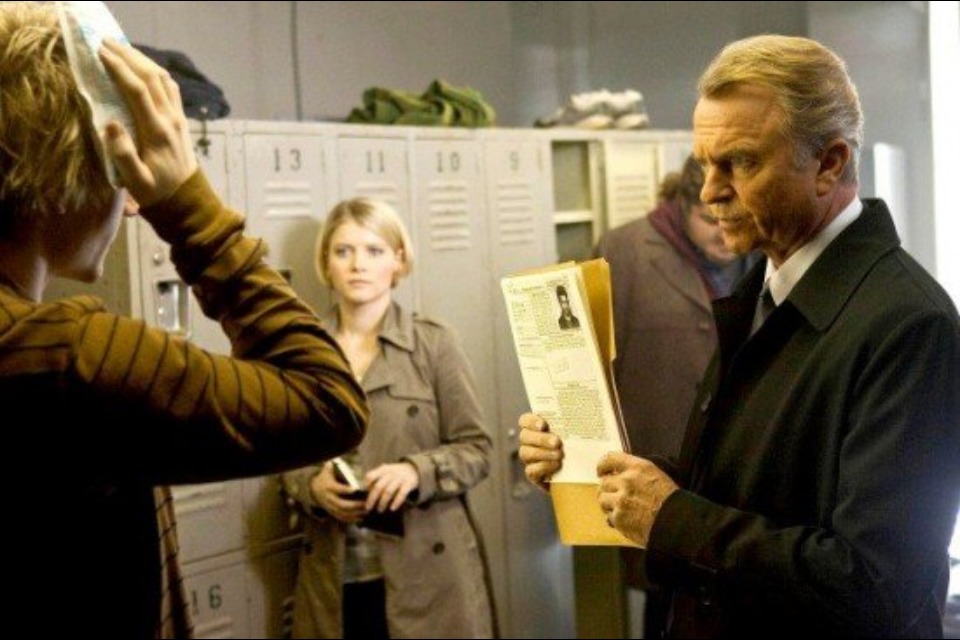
pixel 811 84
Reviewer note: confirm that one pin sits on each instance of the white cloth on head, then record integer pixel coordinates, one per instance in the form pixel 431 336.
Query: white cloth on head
pixel 85 25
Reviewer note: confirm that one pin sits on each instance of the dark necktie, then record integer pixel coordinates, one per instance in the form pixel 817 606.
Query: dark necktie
pixel 765 306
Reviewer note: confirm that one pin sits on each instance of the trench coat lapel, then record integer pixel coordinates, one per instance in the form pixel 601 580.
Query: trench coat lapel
pixel 396 332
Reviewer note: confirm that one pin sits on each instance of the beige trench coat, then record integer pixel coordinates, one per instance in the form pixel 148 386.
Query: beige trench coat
pixel 424 409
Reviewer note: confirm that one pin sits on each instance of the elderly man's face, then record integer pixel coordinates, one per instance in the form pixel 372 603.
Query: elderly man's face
pixel 762 195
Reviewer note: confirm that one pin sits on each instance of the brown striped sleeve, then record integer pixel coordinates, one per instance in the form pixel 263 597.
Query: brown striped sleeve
pixel 284 399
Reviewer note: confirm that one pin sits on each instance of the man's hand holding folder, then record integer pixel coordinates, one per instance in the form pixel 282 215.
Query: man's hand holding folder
pixel 568 375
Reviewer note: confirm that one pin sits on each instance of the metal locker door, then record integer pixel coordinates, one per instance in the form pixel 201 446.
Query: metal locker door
pixel 209 516
pixel 209 519
pixel 450 234
pixel 287 198
pixel 374 164
pixel 271 579
pixel 217 594
pixel 165 300
pixel 215 152
pixel 454 284
pixel 631 178
pixel 287 189
pixel 673 149
pixel 539 568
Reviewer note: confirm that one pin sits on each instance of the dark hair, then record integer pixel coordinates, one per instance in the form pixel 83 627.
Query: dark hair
pixel 684 186
pixel 562 290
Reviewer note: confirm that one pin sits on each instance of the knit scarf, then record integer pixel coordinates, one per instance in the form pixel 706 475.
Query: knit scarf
pixel 668 220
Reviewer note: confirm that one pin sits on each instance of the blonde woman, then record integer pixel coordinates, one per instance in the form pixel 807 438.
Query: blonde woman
pixel 425 448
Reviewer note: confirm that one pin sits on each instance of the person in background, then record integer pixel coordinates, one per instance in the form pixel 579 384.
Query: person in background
pixel 116 409
pixel 665 269
pixel 425 448
pixel 817 484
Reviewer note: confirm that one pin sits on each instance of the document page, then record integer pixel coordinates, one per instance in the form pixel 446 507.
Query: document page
pixel 565 367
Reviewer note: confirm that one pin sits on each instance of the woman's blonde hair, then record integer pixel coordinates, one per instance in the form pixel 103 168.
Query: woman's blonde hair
pixel 375 215
pixel 49 159
pixel 818 100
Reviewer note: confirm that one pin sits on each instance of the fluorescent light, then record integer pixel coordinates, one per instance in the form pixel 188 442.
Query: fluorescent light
pixel 945 106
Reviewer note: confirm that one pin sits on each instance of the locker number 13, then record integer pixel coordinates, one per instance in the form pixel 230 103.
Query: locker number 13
pixel 289 161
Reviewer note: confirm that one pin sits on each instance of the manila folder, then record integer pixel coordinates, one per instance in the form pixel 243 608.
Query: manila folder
pixel 562 322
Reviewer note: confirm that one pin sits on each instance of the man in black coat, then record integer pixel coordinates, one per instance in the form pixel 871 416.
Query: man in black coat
pixel 819 478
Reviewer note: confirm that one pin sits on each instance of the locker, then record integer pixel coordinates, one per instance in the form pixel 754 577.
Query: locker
pixel 372 162
pixel 217 594
pixel 165 301
pixel 287 196
pixel 455 285
pixel 271 578
pixel 631 179
pixel 209 516
pixel 479 205
pixel 532 571
pixel 209 519
pixel 450 235
pixel 579 211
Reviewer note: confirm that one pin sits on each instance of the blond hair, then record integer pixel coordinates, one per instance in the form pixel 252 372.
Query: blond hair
pixel 49 160
pixel 375 215
pixel 812 87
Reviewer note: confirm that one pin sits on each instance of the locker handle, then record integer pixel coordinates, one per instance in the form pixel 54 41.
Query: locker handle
pixel 173 306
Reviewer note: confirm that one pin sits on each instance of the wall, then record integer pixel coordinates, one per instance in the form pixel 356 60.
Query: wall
pixel 657 48
pixel 242 46
pixel 528 57
pixel 525 57
pixel 346 47
pixel 886 48
pixel 255 50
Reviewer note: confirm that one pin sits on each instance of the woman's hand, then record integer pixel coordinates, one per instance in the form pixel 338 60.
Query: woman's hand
pixel 390 484
pixel 329 494
pixel 161 158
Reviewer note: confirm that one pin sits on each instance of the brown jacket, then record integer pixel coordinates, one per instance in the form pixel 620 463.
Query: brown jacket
pixel 425 410
pixel 116 407
pixel 665 335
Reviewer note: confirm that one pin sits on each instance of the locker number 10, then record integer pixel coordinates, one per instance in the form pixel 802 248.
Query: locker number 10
pixel 452 165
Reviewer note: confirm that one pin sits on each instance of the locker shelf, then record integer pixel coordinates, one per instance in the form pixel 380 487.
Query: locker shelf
pixel 575 216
